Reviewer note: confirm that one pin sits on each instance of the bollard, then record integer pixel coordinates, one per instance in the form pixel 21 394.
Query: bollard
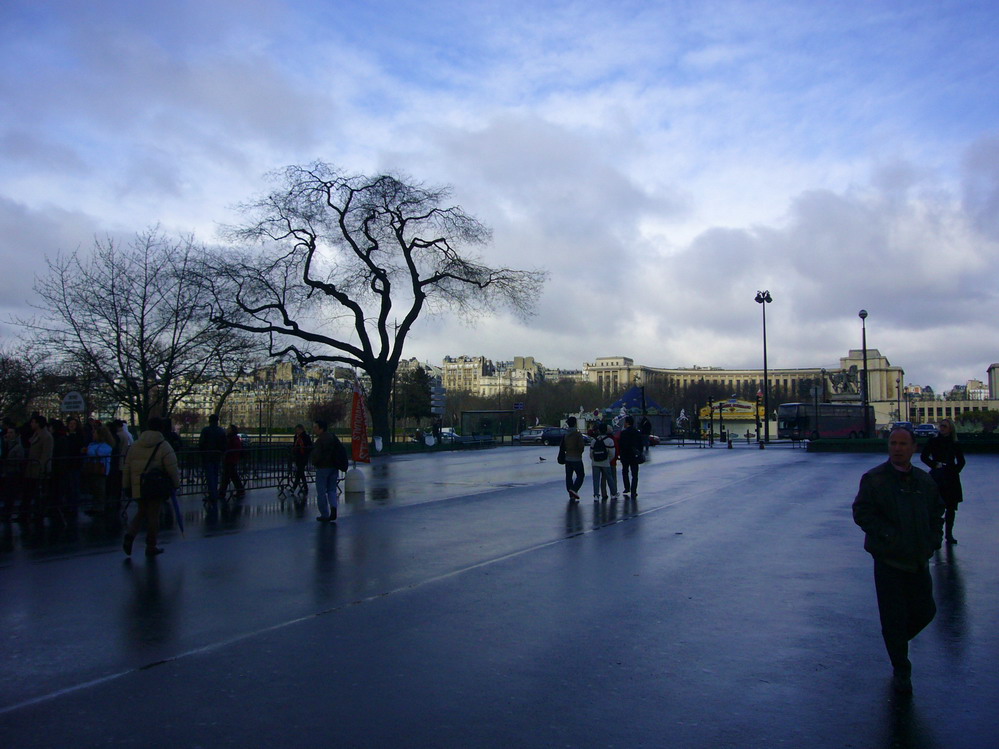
pixel 353 481
pixel 761 444
pixel 729 443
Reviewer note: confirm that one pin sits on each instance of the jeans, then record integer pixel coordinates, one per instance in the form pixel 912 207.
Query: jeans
pixel 326 495
pixel 606 476
pixel 574 473
pixel 212 479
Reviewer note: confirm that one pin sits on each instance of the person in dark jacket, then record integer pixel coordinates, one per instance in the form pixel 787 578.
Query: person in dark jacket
pixel 573 447
pixel 212 444
pixel 230 464
pixel 300 450
pixel 901 513
pixel 946 461
pixel 632 454
pixel 329 457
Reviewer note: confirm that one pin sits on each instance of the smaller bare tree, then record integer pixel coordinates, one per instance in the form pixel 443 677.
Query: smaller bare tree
pixel 135 320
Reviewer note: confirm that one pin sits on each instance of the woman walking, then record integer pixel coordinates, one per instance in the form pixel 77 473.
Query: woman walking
pixel 946 460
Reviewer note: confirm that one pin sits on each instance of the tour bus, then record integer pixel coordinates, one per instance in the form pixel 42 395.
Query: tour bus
pixel 797 421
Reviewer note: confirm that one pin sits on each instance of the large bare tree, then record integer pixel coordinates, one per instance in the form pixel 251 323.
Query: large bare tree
pixel 136 320
pixel 345 265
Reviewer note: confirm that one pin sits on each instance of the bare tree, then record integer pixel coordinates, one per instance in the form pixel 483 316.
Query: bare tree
pixel 25 375
pixel 349 264
pixel 135 319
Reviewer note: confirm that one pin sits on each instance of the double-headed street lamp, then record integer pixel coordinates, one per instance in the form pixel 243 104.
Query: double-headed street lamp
pixel 863 383
pixel 763 298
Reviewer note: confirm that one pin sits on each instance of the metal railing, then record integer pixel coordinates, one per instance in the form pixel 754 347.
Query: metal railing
pixel 67 485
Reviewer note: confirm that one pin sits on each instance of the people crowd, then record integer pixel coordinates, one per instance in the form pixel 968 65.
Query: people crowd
pixel 55 470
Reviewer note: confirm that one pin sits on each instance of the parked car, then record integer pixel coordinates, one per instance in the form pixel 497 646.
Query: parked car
pixel 553 435
pixel 546 436
pixel 530 436
pixel 926 430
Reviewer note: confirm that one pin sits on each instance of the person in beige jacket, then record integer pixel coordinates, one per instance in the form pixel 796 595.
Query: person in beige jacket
pixel 135 464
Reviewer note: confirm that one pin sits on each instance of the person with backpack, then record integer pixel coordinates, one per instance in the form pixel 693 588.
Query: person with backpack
pixel 329 457
pixel 149 474
pixel 603 457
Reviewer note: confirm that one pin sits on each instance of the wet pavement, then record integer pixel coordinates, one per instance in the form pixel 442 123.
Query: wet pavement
pixel 462 602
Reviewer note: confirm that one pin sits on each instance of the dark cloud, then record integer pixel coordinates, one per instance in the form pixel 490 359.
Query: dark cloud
pixel 27 236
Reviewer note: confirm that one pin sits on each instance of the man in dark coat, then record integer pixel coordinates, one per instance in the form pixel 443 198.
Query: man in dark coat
pixel 900 510
pixel 631 455
pixel 212 443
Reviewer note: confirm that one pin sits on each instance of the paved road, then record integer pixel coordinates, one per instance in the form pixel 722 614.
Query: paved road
pixel 462 602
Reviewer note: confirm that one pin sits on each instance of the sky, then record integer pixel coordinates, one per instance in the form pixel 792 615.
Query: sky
pixel 662 160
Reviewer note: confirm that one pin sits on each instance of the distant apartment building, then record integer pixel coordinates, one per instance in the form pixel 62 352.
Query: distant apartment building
pixel 276 396
pixel 480 376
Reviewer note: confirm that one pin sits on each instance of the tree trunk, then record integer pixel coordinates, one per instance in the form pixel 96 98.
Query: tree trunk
pixel 378 402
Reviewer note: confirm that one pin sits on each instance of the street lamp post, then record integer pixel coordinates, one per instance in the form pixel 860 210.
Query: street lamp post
pixel 898 397
pixel 864 383
pixel 764 298
pixel 711 422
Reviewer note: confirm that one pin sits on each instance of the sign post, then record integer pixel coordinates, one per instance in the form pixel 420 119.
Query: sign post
pixel 73 403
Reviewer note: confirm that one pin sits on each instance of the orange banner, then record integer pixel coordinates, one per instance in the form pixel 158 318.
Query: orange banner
pixel 359 430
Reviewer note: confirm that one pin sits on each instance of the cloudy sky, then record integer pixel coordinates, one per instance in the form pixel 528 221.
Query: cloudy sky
pixel 664 160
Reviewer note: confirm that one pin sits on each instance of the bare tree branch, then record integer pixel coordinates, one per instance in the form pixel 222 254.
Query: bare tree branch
pixel 345 265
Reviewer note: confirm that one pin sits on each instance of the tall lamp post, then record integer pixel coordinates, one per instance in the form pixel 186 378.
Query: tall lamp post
pixel 863 383
pixel 764 298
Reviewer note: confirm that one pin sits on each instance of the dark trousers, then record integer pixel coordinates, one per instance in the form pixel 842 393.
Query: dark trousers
pixel 299 481
pixel 949 517
pixel 212 479
pixel 574 475
pixel 905 603
pixel 230 472
pixel 630 486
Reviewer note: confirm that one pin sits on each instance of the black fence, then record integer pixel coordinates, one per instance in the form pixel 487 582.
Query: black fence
pixel 94 485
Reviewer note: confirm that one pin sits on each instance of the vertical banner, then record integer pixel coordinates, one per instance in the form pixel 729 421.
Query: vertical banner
pixel 359 428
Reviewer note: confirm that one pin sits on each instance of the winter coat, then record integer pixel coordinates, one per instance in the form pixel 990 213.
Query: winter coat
pixel 574 446
pixel 137 457
pixel 611 458
pixel 100 451
pixel 631 445
pixel 901 513
pixel 945 458
pixel 40 447
pixel 326 451
pixel 233 450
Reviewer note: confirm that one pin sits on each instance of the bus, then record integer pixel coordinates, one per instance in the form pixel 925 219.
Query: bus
pixel 797 421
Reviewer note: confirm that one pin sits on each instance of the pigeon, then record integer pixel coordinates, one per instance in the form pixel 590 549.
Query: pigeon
pixel 541 460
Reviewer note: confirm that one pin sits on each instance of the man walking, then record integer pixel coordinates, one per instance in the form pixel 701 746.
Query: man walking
pixel 573 447
pixel 632 455
pixel 900 510
pixel 329 458
pixel 212 444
